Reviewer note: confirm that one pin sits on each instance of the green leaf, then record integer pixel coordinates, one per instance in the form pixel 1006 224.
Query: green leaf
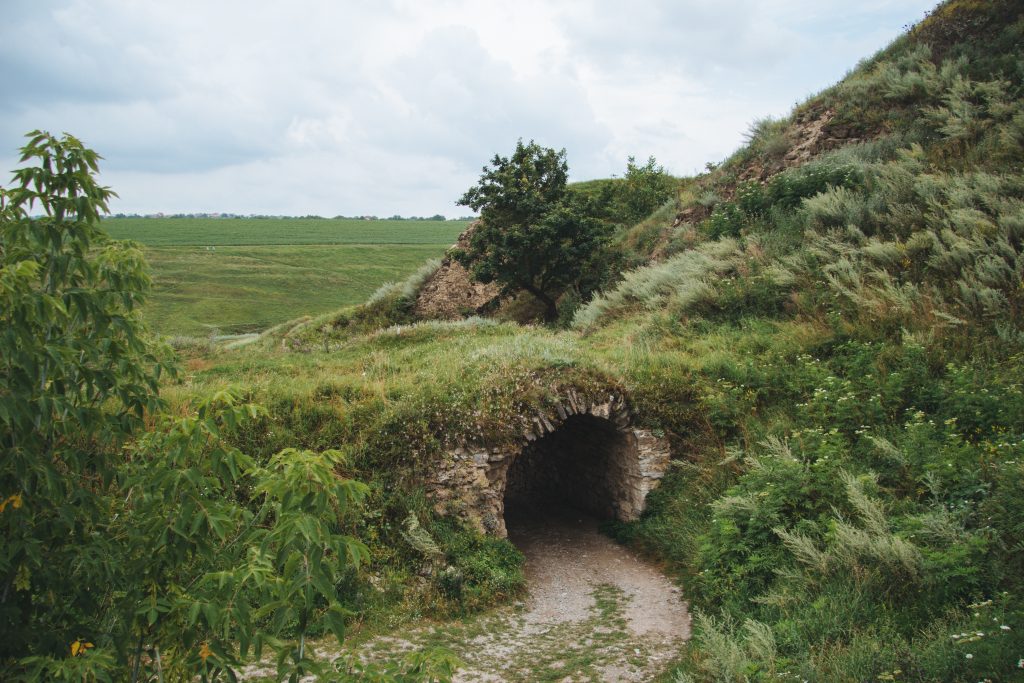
pixel 324 587
pixel 334 619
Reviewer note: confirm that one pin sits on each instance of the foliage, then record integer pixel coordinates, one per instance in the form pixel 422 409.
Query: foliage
pixel 727 220
pixel 481 570
pixel 129 554
pixel 250 555
pixel 855 495
pixel 77 377
pixel 629 199
pixel 532 234
pixel 783 192
pixel 643 189
pixel 521 189
pixel 835 359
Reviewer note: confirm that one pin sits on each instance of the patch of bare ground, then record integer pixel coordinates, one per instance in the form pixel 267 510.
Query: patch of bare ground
pixel 594 612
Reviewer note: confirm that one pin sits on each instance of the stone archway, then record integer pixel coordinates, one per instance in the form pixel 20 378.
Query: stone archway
pixel 586 462
pixel 584 453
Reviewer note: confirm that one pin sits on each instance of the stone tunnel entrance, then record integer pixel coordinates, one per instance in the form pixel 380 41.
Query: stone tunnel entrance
pixel 586 463
pixel 582 454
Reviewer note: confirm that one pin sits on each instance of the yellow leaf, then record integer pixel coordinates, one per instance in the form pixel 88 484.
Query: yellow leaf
pixel 204 651
pixel 22 579
pixel 13 500
pixel 76 647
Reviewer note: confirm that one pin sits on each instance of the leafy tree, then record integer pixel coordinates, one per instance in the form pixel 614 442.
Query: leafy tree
pixel 533 234
pixel 129 555
pixel 643 189
pixel 76 376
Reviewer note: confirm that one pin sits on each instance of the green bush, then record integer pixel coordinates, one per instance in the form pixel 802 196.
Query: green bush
pixel 727 220
pixel 481 570
pixel 642 190
pixel 790 188
pixel 752 197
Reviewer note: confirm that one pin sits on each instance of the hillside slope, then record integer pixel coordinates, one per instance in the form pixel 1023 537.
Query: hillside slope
pixel 848 289
pixel 829 334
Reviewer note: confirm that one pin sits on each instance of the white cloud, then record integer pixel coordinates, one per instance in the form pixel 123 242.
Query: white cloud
pixel 382 107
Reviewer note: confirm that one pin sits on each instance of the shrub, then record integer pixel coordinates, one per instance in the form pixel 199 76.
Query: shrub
pixel 533 234
pixel 752 198
pixel 481 571
pixel 727 220
pixel 790 188
pixel 642 190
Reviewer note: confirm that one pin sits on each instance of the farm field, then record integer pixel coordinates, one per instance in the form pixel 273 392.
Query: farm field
pixel 232 276
pixel 253 231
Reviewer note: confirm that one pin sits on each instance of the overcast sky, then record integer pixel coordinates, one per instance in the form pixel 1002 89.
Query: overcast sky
pixel 382 107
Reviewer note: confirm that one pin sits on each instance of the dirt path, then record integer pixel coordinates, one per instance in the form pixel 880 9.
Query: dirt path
pixel 594 612
pixel 567 558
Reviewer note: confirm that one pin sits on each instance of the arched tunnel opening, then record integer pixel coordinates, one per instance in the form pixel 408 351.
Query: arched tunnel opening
pixel 579 455
pixel 587 464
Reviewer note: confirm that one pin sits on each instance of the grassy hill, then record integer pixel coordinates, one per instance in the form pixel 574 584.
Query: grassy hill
pixel 828 329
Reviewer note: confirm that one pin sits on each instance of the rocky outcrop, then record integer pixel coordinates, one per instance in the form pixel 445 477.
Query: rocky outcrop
pixel 813 132
pixel 584 453
pixel 819 132
pixel 450 292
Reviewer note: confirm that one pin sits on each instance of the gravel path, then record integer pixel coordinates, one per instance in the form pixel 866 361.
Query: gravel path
pixel 594 612
pixel 567 558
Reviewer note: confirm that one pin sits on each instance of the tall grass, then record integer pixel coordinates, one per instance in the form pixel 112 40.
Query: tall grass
pixel 861 507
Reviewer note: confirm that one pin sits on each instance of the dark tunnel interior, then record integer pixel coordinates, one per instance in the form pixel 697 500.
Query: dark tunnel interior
pixel 582 465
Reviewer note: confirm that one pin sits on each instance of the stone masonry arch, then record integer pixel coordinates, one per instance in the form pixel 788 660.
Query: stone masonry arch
pixel 588 454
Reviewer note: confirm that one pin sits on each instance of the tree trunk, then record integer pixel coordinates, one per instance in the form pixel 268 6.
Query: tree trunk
pixel 550 311
pixel 550 306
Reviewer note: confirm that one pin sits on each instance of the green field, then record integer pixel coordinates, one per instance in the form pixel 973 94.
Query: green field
pixel 166 232
pixel 242 275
